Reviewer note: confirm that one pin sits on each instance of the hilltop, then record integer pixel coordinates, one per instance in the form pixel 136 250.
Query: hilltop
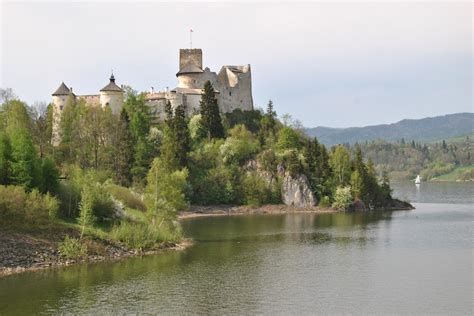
pixel 421 130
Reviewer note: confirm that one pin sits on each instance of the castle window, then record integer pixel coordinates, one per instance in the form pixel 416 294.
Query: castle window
pixel 230 93
pixel 61 107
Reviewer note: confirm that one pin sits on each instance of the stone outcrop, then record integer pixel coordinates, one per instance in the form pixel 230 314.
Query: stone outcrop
pixel 296 191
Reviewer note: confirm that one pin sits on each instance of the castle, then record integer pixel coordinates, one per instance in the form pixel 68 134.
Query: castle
pixel 232 86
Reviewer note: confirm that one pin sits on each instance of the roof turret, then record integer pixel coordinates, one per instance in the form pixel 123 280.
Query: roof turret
pixel 62 90
pixel 111 86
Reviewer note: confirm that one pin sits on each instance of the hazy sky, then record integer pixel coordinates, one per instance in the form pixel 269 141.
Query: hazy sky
pixel 326 63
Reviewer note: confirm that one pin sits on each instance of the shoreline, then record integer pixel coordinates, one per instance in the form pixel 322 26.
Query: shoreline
pixel 234 210
pixel 270 209
pixel 23 252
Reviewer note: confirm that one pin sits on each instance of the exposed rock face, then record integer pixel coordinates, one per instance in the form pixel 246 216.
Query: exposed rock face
pixel 296 191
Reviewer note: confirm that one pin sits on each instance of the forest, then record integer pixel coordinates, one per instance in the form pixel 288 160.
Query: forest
pixel 125 177
pixel 448 159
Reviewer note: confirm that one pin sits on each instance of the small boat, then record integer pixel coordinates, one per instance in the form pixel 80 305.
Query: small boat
pixel 418 179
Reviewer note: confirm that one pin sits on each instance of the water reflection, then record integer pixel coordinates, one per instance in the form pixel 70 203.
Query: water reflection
pixel 270 264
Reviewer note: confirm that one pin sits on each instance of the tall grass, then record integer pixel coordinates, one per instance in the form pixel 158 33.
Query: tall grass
pixel 145 236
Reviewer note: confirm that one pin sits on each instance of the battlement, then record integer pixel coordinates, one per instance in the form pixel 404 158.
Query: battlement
pixel 190 57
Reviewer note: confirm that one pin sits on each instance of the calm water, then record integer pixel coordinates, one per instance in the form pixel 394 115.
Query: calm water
pixel 401 262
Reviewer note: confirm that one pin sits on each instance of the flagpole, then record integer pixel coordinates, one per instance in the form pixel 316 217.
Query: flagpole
pixel 191 38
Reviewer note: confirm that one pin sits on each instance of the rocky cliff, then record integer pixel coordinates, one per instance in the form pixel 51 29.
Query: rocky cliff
pixel 296 191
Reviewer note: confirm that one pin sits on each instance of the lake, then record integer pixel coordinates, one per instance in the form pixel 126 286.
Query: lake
pixel 383 262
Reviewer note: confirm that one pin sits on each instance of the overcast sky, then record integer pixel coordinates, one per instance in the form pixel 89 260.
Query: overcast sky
pixel 329 64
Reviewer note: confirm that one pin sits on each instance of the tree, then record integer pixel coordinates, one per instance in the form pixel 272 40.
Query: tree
pixel 341 165
pixel 165 191
pixel 288 138
pixel 25 164
pixel 123 148
pixel 49 176
pixel 342 198
pixel 176 140
pixel 42 128
pixel 211 121
pixel 68 129
pixel 5 159
pixel 86 209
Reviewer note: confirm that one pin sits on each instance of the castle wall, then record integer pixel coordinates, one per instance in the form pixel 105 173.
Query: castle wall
pixel 196 80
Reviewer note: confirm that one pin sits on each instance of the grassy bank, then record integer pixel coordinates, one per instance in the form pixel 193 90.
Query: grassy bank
pixel 458 174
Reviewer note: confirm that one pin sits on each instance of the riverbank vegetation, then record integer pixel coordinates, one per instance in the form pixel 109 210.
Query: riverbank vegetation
pixel 445 160
pixel 123 178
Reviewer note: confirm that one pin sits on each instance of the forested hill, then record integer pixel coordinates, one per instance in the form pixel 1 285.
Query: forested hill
pixel 426 129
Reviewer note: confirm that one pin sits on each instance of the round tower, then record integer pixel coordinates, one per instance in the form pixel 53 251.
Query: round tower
pixel 112 95
pixel 190 69
pixel 60 98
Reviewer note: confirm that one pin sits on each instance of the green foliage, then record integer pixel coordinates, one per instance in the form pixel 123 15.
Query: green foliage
pixel 268 161
pixel 240 146
pixel 143 236
pixel 250 119
pixel 211 121
pixel 25 165
pixel 26 208
pixel 128 197
pixel 5 159
pixel 256 190
pixel 176 141
pixel 288 138
pixel 325 201
pixel 342 198
pixel 49 176
pixel 340 163
pixel 165 191
pixel 72 248
pixel 86 207
pixel 292 162
pixel 123 156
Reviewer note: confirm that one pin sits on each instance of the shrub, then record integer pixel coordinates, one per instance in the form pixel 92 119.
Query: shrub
pixel 19 206
pixel 72 248
pixel 144 236
pixel 288 138
pixel 342 198
pixel 256 190
pixel 325 201
pixel 240 146
pixel 127 197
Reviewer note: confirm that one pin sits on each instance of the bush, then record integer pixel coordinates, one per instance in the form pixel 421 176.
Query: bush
pixel 256 190
pixel 127 197
pixel 145 236
pixel 19 206
pixel 288 138
pixel 342 198
pixel 325 201
pixel 72 248
pixel 240 146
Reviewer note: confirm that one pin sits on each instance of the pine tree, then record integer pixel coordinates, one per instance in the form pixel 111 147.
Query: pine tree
pixel 210 117
pixel 176 140
pixel 182 137
pixel 123 158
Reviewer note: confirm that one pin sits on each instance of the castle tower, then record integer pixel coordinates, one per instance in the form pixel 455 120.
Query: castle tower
pixel 190 68
pixel 60 98
pixel 112 95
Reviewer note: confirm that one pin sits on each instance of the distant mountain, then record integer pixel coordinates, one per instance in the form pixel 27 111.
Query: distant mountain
pixel 426 129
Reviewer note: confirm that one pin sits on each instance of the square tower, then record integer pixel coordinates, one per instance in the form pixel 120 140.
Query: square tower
pixel 191 57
